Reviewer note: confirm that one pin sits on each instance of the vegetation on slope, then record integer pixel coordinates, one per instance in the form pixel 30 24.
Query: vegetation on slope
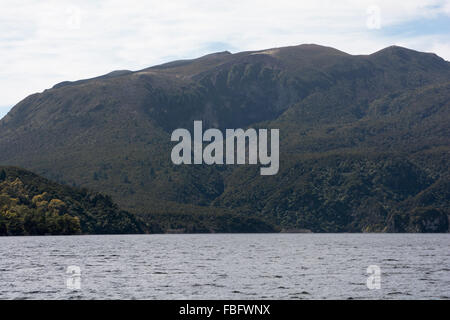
pixel 365 140
pixel 31 205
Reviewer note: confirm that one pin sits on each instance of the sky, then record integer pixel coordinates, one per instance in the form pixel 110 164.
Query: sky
pixel 43 42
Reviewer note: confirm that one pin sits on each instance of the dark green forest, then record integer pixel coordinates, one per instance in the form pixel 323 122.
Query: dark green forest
pixel 364 144
pixel 32 205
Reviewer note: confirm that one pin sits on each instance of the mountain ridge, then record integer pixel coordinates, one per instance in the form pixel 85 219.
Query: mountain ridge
pixel 379 114
pixel 177 63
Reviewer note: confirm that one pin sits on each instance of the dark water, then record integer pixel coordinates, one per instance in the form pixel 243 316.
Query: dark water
pixel 225 266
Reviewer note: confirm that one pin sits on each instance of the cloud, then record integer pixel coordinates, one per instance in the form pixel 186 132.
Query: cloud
pixel 43 42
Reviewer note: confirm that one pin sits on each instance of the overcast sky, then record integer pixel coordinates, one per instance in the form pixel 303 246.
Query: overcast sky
pixel 44 42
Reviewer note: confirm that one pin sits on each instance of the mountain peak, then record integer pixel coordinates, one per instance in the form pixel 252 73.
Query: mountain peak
pixel 400 56
pixel 394 49
pixel 307 48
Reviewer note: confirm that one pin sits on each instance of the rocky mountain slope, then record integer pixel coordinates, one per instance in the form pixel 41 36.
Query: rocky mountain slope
pixel 364 140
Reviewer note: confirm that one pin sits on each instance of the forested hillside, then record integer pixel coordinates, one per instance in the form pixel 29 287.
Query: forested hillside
pixel 364 139
pixel 31 205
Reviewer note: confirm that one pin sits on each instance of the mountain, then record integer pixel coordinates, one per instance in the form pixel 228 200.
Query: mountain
pixel 364 139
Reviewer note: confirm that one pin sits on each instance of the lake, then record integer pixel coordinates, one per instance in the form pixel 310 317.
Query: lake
pixel 226 266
